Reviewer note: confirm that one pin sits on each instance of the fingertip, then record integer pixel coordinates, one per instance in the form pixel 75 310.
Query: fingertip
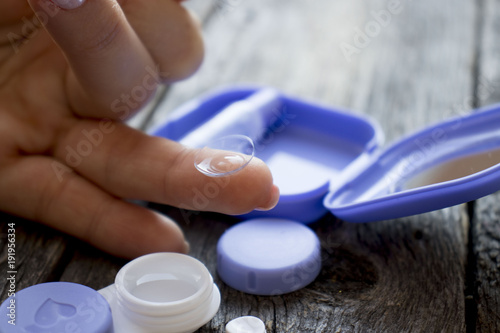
pixel 251 188
pixel 272 201
pixel 263 185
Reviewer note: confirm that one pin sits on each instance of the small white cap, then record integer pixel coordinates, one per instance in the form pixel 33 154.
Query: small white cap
pixel 247 324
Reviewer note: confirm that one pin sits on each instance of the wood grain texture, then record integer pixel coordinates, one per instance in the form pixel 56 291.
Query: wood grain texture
pixel 486 224
pixel 488 63
pixel 40 254
pixel 91 267
pixel 410 68
pixel 486 245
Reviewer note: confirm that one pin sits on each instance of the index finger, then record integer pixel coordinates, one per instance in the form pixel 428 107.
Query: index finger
pixel 133 165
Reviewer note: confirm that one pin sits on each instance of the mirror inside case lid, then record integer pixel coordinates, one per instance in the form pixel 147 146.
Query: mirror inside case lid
pixel 447 164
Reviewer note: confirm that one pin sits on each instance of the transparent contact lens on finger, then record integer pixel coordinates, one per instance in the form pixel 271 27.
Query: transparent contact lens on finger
pixel 225 156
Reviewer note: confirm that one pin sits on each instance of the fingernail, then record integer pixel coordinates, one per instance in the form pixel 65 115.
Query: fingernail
pixel 273 201
pixel 68 4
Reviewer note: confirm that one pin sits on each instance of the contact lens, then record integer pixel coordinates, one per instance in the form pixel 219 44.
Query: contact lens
pixel 225 156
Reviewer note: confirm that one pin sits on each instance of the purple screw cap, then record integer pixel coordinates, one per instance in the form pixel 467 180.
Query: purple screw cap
pixel 56 307
pixel 268 256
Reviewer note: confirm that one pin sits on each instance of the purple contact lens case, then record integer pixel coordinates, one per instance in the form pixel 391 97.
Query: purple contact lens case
pixel 56 307
pixel 325 159
pixel 268 256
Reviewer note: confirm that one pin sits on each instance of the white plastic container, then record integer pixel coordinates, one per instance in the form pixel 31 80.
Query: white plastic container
pixel 246 324
pixel 162 292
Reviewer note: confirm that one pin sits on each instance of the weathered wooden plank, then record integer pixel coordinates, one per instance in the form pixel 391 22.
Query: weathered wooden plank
pixel 279 45
pixel 416 69
pixel 40 254
pixel 91 267
pixel 486 226
pixel 488 64
pixel 486 245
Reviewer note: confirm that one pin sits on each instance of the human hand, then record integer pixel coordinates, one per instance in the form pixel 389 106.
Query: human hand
pixel 67 160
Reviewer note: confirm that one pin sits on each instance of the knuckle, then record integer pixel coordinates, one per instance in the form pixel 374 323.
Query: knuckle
pixel 100 42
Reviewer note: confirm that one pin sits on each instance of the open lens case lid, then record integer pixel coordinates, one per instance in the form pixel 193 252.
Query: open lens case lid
pixel 326 159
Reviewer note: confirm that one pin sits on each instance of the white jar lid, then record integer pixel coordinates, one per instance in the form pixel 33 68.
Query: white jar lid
pixel 246 324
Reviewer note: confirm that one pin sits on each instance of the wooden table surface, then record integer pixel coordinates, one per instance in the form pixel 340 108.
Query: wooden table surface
pixel 408 64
